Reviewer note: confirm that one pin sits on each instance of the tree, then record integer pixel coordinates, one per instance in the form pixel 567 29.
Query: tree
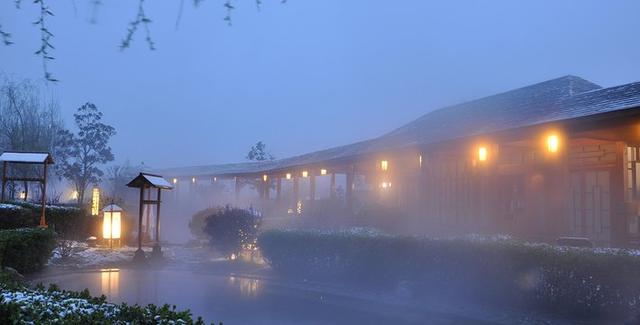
pixel 84 152
pixel 29 121
pixel 259 152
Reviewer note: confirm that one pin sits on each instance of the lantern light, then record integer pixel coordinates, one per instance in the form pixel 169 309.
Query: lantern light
pixel 305 173
pixel 553 143
pixel 112 222
pixel 384 165
pixel 385 185
pixel 215 179
pixel 264 177
pixel 482 154
pixel 323 171
pixel 288 176
pixel 193 180
pixel 420 160
pixel 74 195
pixel 95 201
pixel 23 195
pixel 175 180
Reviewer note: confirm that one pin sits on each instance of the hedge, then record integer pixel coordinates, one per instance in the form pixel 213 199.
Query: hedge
pixel 68 222
pixel 572 280
pixel 26 249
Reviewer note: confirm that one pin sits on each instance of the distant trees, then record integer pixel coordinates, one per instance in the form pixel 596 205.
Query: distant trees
pixel 259 152
pixel 81 154
pixel 29 121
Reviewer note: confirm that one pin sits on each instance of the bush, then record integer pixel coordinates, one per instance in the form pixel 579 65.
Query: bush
pixel 68 222
pixel 14 216
pixel 489 270
pixel 231 229
pixel 27 249
pixel 36 306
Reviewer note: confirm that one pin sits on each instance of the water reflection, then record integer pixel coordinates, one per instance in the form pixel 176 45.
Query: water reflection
pixel 110 282
pixel 248 287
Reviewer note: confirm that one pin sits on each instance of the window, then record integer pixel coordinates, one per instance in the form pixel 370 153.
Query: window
pixel 633 174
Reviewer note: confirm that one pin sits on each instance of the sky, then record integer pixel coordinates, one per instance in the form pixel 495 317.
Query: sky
pixel 306 75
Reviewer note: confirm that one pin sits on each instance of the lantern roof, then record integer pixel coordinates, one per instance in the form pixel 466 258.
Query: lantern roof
pixel 112 208
pixel 150 180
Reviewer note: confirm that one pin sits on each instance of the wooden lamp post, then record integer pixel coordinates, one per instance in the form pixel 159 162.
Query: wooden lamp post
pixel 148 182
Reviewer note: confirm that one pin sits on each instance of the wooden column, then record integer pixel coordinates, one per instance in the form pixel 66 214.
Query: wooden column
pixel 43 221
pixel 312 187
pixel 141 212
pixel 618 217
pixel 278 189
pixel 4 179
pixel 332 187
pixel 296 190
pixel 237 185
pixel 349 189
pixel 158 218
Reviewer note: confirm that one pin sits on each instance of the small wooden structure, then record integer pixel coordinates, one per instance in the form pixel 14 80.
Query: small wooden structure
pixel 36 158
pixel 145 181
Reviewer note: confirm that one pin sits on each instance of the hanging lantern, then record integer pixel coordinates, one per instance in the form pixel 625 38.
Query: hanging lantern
pixel 112 223
pixel 323 171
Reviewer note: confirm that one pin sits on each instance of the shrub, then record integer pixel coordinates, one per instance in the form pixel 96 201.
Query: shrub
pixel 198 221
pixel 575 280
pixel 26 249
pixel 36 306
pixel 229 229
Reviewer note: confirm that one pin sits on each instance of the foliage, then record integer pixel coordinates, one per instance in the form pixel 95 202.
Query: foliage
pixel 47 306
pixel 26 249
pixel 198 221
pixel 85 151
pixel 259 152
pixel 67 222
pixel 231 228
pixel 573 280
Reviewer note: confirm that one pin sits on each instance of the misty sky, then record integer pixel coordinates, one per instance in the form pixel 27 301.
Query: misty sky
pixel 308 75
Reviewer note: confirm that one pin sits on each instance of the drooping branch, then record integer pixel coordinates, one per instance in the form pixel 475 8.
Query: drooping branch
pixel 6 37
pixel 141 18
pixel 229 6
pixel 45 39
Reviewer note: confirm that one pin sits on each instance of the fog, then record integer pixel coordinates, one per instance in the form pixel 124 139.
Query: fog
pixel 460 162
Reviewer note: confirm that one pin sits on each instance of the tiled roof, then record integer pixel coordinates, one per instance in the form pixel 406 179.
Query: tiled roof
pixel 554 100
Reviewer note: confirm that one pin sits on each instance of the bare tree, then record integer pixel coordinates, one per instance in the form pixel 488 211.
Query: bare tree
pixel 29 121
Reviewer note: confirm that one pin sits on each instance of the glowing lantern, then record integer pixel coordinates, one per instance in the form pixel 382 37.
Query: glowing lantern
pixel 23 195
pixel 305 173
pixel 175 181
pixel 323 171
pixel 264 177
pixel 215 179
pixel 112 222
pixel 74 195
pixel 482 154
pixel 193 180
pixel 384 165
pixel 385 185
pixel 95 201
pixel 288 176
pixel 420 160
pixel 553 143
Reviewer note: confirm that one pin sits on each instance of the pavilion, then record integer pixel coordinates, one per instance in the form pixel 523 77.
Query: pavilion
pixel 556 158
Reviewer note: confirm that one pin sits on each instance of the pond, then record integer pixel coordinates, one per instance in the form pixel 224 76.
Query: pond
pixel 237 299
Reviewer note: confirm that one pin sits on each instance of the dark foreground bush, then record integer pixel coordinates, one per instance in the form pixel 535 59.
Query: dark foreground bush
pixel 26 249
pixel 53 306
pixel 68 222
pixel 493 270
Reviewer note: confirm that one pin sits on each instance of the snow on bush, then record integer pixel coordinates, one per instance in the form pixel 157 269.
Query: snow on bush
pixel 53 306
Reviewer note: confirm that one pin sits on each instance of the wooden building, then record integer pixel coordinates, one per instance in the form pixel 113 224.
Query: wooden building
pixel 557 158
